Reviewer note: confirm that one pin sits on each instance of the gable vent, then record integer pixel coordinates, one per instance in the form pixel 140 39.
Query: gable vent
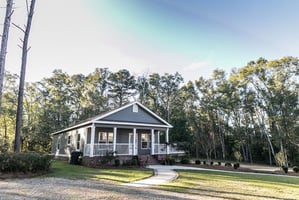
pixel 135 108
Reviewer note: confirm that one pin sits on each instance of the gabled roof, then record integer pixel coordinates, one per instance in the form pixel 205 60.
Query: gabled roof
pixel 124 116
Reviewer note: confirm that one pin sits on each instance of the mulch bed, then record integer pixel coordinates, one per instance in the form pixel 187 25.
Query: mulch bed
pixel 241 169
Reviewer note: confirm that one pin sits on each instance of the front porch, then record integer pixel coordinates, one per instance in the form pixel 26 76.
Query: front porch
pixel 127 142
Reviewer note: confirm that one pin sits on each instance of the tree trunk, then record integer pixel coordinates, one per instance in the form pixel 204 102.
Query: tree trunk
pixel 17 145
pixel 4 40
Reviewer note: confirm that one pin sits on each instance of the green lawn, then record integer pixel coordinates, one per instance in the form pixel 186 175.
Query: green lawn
pixel 63 169
pixel 235 186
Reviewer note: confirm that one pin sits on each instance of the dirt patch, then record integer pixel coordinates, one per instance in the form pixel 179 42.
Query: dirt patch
pixel 58 188
pixel 20 175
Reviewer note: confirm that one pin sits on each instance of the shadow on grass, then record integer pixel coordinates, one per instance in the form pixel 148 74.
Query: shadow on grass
pixel 213 193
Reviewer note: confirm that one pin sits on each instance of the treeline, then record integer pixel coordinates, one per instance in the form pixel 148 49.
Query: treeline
pixel 250 115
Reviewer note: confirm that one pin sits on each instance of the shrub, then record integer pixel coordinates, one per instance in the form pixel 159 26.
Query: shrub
pixel 227 164
pixel 197 162
pixel 236 165
pixel 219 163
pixel 285 169
pixel 169 161
pixel 185 160
pixel 117 162
pixel 109 156
pixel 296 169
pixel 211 163
pixel 24 162
pixel 134 162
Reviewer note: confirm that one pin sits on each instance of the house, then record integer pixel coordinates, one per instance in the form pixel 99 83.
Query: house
pixel 131 130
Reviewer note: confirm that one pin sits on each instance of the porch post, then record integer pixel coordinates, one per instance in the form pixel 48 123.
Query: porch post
pixel 158 138
pixel 114 140
pixel 134 141
pixel 93 129
pixel 167 141
pixel 153 141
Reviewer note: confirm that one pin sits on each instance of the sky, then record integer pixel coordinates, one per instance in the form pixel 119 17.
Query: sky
pixel 192 37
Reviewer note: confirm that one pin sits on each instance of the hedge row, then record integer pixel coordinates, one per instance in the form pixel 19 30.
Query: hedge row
pixel 24 162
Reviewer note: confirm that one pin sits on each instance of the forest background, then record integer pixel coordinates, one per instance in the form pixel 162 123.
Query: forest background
pixel 249 115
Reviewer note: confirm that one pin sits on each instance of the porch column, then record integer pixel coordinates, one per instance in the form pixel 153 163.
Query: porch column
pixel 93 130
pixel 114 140
pixel 158 138
pixel 134 141
pixel 153 141
pixel 167 141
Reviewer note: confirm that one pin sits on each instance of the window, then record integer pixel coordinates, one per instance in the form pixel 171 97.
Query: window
pixel 105 137
pixel 58 143
pixel 135 108
pixel 78 141
pixel 145 141
pixel 69 139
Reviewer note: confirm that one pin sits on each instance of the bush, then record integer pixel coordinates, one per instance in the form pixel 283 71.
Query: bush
pixel 219 163
pixel 134 162
pixel 24 162
pixel 285 169
pixel 185 160
pixel 117 162
pixel 296 169
pixel 211 163
pixel 169 161
pixel 236 165
pixel 227 164
pixel 197 162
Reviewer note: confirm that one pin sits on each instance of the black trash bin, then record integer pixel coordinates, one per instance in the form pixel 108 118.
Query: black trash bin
pixel 76 157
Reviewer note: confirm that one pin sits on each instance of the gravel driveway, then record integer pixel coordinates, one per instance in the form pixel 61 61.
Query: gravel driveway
pixel 58 188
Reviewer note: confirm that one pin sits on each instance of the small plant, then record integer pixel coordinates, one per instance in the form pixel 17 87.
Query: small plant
pixel 185 160
pixel 285 169
pixel 197 162
pixel 134 162
pixel 169 161
pixel 219 163
pixel 228 164
pixel 107 158
pixel 117 162
pixel 236 165
pixel 211 163
pixel 296 169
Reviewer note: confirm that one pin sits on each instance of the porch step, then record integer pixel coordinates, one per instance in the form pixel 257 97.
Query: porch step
pixel 147 160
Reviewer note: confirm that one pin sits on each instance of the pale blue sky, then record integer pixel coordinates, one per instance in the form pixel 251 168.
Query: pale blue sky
pixel 192 37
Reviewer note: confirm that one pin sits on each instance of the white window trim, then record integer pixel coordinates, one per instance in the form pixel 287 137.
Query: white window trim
pixel 78 141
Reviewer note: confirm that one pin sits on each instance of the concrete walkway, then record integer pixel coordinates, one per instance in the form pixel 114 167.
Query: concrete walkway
pixel 165 173
pixel 162 174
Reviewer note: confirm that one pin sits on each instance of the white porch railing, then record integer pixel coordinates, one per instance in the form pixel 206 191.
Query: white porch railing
pixel 103 149
pixel 126 149
pixel 162 149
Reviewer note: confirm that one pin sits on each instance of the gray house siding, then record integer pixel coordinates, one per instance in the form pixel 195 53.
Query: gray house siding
pixel 127 115
pixel 65 143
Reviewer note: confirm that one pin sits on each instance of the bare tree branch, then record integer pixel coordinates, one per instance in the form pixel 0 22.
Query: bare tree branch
pixel 17 26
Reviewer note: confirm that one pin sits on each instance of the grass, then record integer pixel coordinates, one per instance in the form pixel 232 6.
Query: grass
pixel 62 169
pixel 234 186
